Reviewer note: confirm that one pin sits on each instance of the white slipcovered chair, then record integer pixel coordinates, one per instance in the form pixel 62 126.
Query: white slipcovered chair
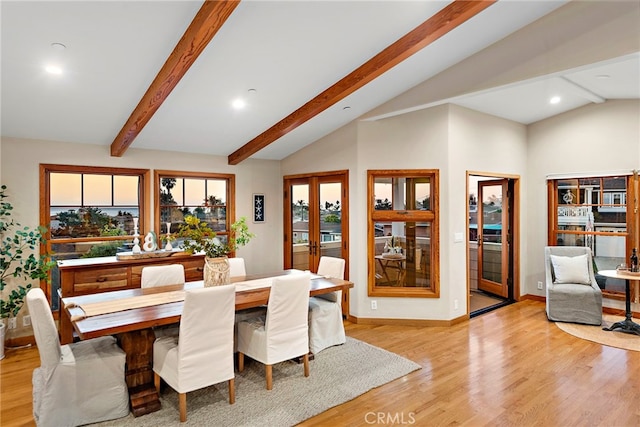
pixel 162 275
pixel 77 383
pixel 325 311
pixel 573 295
pixel 202 355
pixel 283 333
pixel 236 267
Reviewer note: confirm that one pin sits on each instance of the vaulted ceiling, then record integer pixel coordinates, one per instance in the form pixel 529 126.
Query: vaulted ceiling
pixel 163 75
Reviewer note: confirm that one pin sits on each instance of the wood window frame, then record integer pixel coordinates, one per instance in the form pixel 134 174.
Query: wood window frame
pixel 431 216
pixel 158 175
pixel 632 235
pixel 45 200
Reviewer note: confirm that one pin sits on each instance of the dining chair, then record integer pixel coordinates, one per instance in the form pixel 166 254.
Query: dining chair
pixel 325 311
pixel 79 383
pixel 237 267
pixel 162 275
pixel 202 354
pixel 283 333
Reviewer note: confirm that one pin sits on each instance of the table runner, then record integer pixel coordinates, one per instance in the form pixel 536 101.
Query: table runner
pixel 140 301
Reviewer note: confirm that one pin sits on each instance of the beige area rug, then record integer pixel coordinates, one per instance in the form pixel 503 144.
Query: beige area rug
pixel 596 334
pixel 337 375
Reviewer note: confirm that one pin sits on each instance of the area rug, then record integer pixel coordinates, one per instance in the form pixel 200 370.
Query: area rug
pixel 337 375
pixel 596 334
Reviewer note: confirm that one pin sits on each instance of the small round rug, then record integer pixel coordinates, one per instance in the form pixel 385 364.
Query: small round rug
pixel 593 333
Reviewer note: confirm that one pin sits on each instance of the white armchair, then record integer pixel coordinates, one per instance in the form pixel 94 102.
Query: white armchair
pixel 283 333
pixel 202 355
pixel 573 295
pixel 325 311
pixel 79 383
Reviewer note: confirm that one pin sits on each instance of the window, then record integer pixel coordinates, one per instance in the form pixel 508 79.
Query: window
pixel 593 212
pixel 89 211
pixel 208 196
pixel 403 233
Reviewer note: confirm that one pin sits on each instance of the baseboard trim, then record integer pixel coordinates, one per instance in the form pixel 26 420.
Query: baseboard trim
pixel 17 342
pixel 407 322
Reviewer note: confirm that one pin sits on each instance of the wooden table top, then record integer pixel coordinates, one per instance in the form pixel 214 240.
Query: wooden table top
pixel 164 314
pixel 620 274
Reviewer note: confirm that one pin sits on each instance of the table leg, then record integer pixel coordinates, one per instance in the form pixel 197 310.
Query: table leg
pixel 626 325
pixel 66 328
pixel 138 345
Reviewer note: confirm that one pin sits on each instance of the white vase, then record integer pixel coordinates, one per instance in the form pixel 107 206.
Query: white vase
pixel 216 271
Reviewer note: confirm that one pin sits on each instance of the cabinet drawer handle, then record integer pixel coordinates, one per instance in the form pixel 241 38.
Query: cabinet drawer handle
pixel 101 279
pixel 199 268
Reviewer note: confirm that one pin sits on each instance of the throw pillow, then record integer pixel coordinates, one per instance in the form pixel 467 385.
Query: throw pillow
pixel 571 269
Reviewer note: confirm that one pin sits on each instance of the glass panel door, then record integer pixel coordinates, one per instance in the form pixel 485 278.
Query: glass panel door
pixel 315 222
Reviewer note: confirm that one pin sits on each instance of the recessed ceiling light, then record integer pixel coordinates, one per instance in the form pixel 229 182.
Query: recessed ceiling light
pixel 58 46
pixel 603 76
pixel 252 91
pixel 555 100
pixel 238 104
pixel 53 69
pixel 346 108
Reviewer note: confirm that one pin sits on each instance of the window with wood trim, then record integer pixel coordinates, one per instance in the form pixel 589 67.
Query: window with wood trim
pixel 89 211
pixel 403 243
pixel 208 196
pixel 597 212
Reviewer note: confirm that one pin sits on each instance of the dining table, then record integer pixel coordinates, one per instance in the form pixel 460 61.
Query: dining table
pixel 130 315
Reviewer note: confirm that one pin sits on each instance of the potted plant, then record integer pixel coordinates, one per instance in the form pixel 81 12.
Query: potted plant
pixel 18 261
pixel 200 238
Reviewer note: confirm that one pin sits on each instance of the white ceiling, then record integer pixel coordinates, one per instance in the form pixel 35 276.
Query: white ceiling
pixel 288 51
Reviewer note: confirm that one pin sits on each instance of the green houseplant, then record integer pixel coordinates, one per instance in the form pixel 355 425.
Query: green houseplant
pixel 199 237
pixel 18 260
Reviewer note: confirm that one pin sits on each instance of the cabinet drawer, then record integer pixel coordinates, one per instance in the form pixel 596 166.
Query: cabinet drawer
pixel 97 280
pixel 194 269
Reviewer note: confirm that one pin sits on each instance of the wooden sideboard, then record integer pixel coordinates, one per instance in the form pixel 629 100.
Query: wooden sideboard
pixel 92 275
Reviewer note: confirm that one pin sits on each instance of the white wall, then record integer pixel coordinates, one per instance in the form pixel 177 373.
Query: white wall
pixel 20 172
pixel 448 138
pixel 479 143
pixel 595 138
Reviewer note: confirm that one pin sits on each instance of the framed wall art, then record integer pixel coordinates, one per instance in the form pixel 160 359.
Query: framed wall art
pixel 258 208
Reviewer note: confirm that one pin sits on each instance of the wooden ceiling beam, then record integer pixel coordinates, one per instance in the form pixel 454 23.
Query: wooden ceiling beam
pixel 209 19
pixel 426 33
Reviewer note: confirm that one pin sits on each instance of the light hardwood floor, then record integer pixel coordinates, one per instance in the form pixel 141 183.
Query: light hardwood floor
pixel 509 367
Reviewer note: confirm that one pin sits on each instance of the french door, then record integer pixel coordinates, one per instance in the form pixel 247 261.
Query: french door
pixel 316 219
pixel 493 237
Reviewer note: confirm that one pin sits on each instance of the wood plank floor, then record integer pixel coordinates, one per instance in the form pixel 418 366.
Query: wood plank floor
pixel 509 367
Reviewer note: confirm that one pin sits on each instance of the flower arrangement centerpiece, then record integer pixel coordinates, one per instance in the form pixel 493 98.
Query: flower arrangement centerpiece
pixel 200 238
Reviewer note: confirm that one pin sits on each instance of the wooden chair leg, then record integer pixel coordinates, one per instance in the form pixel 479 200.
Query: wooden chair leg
pixel 232 391
pixel 269 373
pixel 240 362
pixel 183 406
pixel 156 382
pixel 306 364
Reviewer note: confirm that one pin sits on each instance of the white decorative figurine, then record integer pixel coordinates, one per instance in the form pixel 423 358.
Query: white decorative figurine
pixel 136 240
pixel 150 242
pixel 168 247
